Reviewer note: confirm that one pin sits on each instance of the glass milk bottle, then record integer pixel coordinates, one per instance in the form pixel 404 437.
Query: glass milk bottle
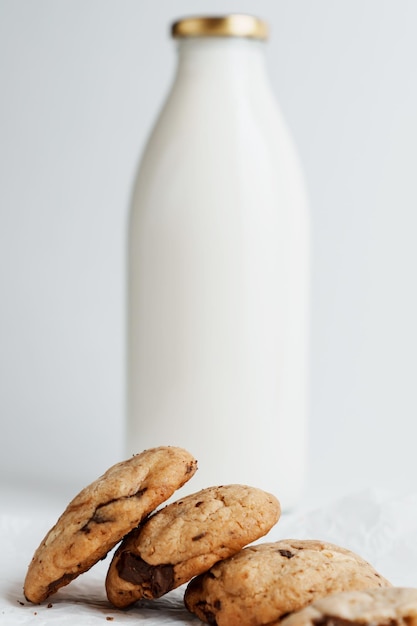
pixel 218 270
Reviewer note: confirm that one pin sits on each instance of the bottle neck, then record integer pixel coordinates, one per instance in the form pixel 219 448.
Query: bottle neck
pixel 235 59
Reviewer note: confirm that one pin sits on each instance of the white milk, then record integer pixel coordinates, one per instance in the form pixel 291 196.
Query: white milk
pixel 218 276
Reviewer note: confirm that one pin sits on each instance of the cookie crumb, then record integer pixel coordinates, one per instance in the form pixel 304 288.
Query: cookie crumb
pixel 21 603
pixel 109 619
pixel 50 605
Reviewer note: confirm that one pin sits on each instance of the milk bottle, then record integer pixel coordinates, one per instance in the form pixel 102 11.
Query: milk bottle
pixel 218 270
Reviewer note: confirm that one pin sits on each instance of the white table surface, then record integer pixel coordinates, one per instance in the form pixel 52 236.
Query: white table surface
pixel 380 526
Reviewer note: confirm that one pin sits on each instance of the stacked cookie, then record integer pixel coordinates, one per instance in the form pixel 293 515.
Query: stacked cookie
pixel 203 540
pixel 160 550
pixel 264 583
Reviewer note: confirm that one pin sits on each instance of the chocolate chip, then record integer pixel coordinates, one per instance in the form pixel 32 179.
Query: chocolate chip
pixel 287 553
pixel 60 582
pixel 198 537
pixel 158 579
pixel 100 518
pixel 209 616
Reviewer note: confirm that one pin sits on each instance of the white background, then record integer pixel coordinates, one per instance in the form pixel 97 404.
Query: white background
pixel 81 82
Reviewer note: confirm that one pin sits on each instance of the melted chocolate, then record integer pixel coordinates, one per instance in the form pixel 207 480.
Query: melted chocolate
pixel 60 582
pixel 159 579
pixel 101 515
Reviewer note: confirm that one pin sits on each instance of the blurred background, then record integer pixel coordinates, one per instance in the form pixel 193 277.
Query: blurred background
pixel 81 82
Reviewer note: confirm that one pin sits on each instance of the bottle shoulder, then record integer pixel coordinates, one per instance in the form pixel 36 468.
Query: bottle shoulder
pixel 223 146
pixel 192 122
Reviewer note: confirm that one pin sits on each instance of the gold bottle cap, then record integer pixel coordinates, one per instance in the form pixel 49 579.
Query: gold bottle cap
pixel 234 25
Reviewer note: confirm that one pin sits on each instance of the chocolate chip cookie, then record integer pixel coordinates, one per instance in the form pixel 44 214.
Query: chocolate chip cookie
pixel 185 538
pixel 104 512
pixel 263 583
pixel 391 606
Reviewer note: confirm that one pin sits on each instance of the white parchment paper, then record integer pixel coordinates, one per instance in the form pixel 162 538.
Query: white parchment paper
pixel 381 527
